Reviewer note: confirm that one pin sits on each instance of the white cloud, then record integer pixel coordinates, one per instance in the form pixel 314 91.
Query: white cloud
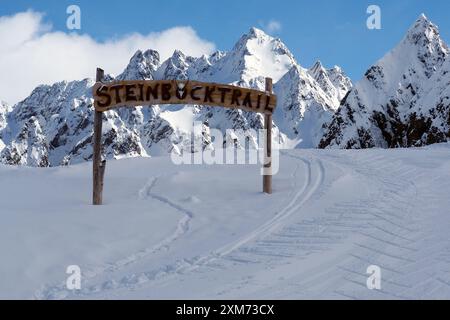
pixel 31 53
pixel 273 26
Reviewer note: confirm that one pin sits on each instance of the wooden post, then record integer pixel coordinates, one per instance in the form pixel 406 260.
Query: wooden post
pixel 97 163
pixel 267 177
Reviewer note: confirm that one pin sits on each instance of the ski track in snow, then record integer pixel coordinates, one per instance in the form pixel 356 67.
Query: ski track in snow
pixel 60 291
pixel 390 212
pixel 183 266
pixel 303 195
pixel 382 229
pixel 314 177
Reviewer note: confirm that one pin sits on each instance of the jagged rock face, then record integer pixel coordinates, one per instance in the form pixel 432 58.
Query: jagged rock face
pixel 58 117
pixel 392 106
pixel 142 66
pixel 4 110
pixel 432 109
pixel 255 56
pixel 177 67
pixel 303 106
pixel 333 82
pixel 340 81
pixel 30 146
pixel 53 126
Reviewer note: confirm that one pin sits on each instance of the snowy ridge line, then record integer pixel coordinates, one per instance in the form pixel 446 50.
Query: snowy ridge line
pixel 402 100
pixel 53 126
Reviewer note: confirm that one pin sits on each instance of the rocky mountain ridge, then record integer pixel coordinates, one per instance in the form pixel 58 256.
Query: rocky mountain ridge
pixel 53 126
pixel 402 101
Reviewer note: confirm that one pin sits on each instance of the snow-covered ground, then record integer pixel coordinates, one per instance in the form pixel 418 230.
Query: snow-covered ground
pixel 207 232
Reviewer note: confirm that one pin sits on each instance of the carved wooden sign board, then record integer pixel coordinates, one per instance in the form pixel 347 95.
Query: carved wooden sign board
pixel 142 93
pixel 116 94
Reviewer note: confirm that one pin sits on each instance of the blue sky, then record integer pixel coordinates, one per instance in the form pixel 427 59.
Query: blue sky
pixel 330 30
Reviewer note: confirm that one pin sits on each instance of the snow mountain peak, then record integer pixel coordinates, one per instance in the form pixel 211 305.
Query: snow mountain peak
pixel 421 26
pixel 142 66
pixel 317 67
pixel 307 100
pixel 255 55
pixel 382 110
pixel 424 38
pixel 258 33
pixel 336 69
pixel 333 81
pixel 176 67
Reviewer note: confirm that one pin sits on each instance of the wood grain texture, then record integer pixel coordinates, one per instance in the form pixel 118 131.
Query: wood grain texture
pixel 98 167
pixel 267 177
pixel 141 93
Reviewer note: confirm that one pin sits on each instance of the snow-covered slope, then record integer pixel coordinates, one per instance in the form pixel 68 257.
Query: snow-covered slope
pixel 53 126
pixel 388 108
pixel 164 232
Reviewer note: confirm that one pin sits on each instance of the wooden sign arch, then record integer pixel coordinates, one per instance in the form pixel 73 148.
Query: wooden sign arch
pixel 116 94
